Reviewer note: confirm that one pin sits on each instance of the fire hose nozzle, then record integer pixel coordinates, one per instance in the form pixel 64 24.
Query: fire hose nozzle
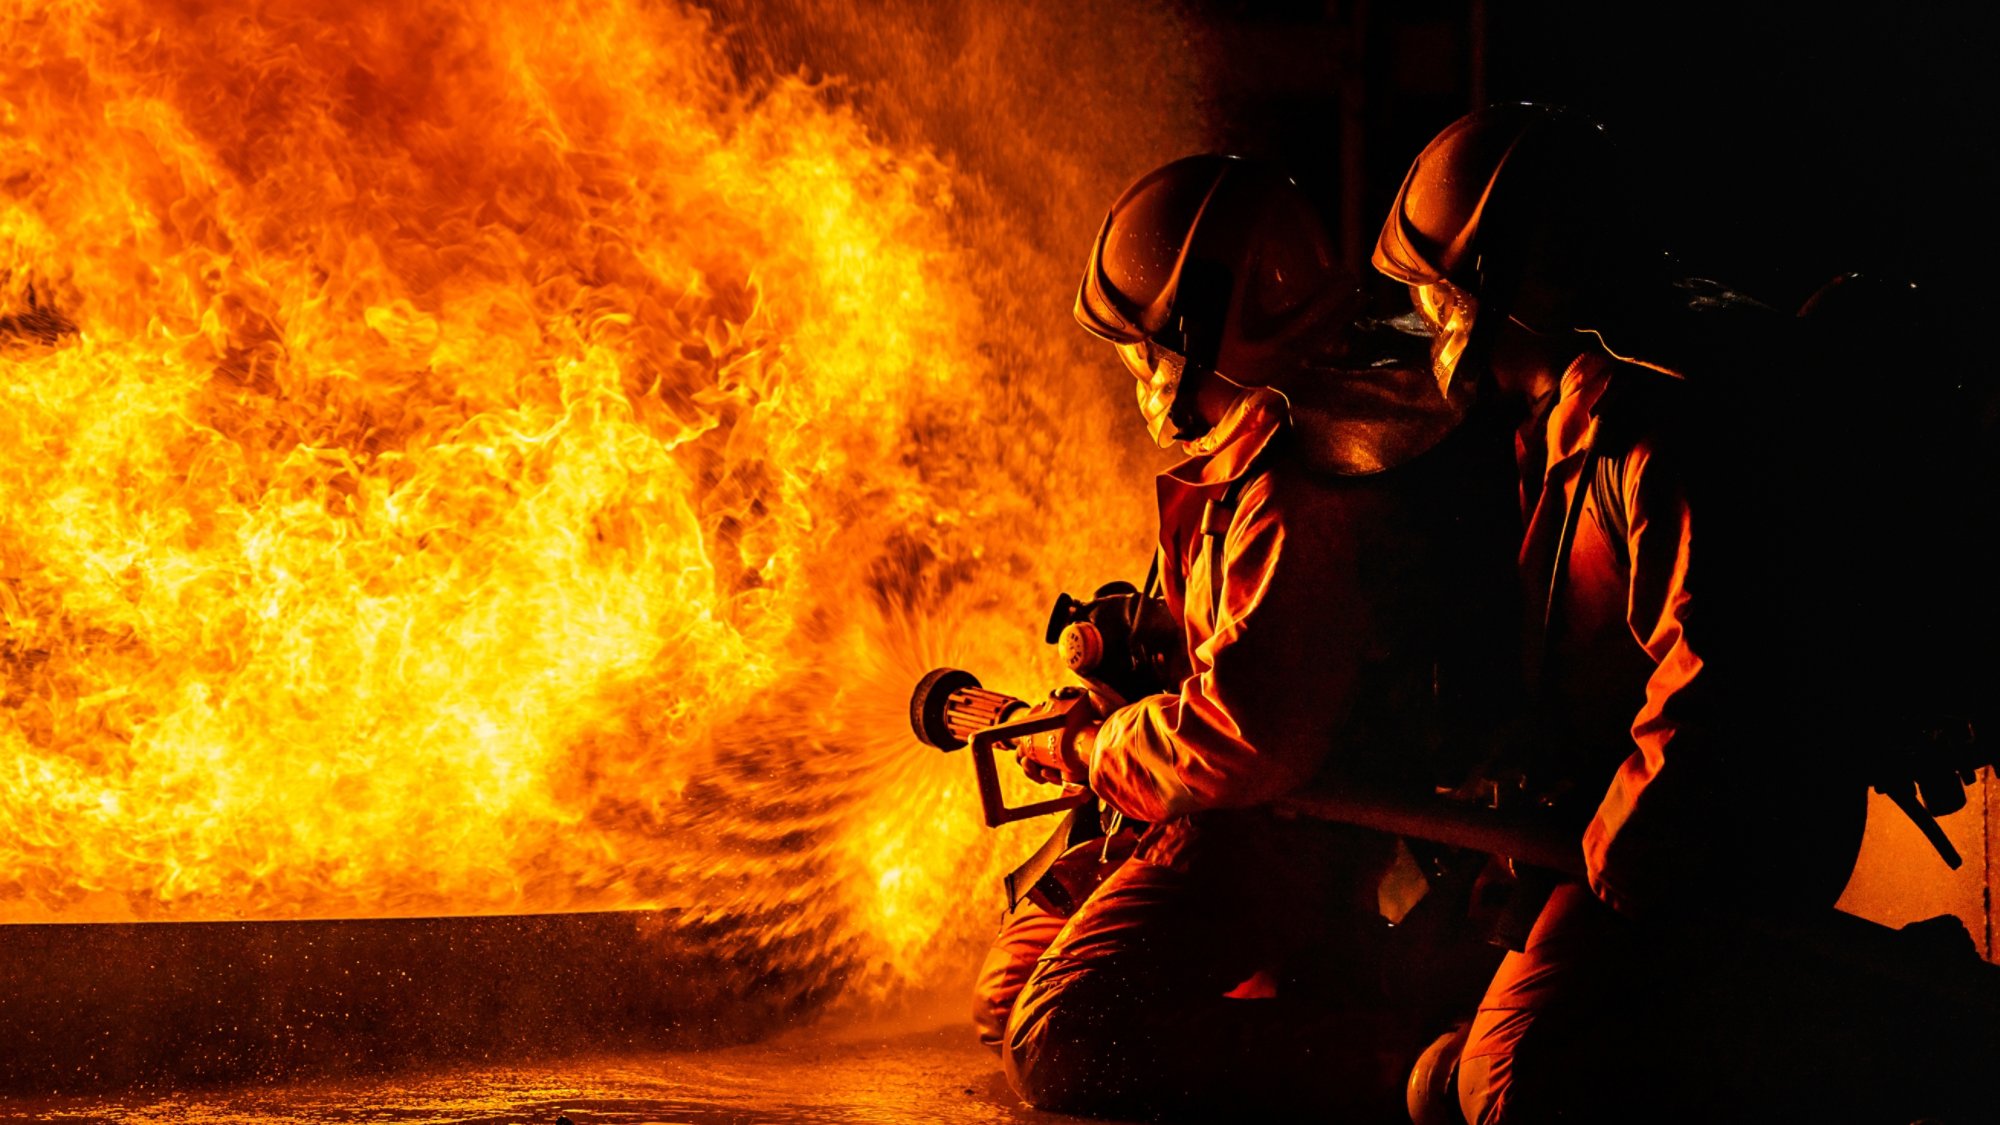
pixel 949 707
pixel 950 710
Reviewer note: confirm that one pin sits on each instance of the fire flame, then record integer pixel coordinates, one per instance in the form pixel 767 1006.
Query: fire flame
pixel 483 457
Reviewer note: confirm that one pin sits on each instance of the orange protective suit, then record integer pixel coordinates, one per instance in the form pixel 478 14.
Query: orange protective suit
pixel 1674 686
pixel 1319 609
pixel 1665 680
pixel 1279 657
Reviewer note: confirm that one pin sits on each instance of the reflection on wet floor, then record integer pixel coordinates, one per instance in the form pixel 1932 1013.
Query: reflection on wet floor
pixel 937 1077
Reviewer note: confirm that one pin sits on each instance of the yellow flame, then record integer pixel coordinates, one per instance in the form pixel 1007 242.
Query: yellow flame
pixel 485 457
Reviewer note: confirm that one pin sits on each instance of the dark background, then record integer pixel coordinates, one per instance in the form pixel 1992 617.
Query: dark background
pixel 1782 142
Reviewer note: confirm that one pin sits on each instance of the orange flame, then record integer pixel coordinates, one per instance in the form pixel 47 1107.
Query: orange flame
pixel 487 457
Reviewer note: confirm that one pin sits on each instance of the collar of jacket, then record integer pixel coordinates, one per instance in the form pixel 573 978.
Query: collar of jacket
pixel 1343 422
pixel 1577 396
pixel 1227 452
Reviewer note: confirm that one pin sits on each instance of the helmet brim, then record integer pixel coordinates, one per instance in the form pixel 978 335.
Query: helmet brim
pixel 1100 315
pixel 1398 252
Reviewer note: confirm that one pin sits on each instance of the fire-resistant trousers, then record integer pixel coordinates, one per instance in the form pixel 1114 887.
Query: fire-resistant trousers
pixel 1823 1018
pixel 1030 926
pixel 1140 1003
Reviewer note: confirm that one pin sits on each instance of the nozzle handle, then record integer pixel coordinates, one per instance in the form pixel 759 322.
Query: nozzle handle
pixel 992 801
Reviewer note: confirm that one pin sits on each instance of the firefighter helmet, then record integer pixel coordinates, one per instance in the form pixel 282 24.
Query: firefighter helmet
pixel 1209 265
pixel 1510 200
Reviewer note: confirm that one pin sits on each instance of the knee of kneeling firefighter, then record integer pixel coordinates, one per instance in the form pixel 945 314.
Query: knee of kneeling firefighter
pixel 1024 936
pixel 1070 1044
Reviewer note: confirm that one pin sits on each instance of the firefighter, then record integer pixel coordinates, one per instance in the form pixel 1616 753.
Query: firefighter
pixel 1678 624
pixel 1329 551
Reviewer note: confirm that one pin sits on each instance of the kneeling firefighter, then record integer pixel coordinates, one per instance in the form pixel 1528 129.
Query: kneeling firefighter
pixel 1337 548
pixel 1705 697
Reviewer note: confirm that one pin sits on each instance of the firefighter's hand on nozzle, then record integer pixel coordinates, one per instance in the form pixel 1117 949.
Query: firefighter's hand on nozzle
pixel 1061 756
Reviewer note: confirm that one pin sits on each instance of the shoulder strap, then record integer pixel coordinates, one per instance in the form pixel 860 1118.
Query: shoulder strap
pixel 1607 494
pixel 1602 478
pixel 1216 516
pixel 1559 568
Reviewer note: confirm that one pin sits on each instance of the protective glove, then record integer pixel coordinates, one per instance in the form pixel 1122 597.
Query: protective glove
pixel 1061 756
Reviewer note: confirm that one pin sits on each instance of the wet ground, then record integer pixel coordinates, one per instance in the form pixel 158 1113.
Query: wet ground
pixel 934 1077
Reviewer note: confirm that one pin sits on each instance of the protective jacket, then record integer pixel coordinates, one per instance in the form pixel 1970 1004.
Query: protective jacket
pixel 1326 580
pixel 1320 552
pixel 1667 653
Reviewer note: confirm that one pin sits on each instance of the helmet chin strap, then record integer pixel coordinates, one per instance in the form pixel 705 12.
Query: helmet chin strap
pixel 1474 363
pixel 1495 292
pixel 1185 418
pixel 1185 412
pixel 1245 400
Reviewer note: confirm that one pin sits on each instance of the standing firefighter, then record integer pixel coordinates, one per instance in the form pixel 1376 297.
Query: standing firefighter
pixel 1682 574
pixel 1326 551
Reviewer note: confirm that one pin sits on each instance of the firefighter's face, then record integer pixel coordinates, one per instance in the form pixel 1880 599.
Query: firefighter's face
pixel 1158 372
pixel 1451 312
